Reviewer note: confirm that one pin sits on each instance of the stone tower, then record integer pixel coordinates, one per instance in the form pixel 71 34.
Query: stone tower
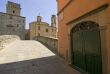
pixel 53 21
pixel 13 8
pixel 39 19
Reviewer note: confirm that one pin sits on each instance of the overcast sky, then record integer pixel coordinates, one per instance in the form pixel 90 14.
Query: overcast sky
pixel 32 8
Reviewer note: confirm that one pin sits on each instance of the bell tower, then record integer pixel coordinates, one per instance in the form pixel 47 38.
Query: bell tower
pixel 13 8
pixel 39 19
pixel 53 21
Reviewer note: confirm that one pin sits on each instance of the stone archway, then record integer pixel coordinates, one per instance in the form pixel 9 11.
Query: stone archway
pixel 86 47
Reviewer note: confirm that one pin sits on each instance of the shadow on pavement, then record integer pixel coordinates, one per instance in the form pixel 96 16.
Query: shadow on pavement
pixel 44 65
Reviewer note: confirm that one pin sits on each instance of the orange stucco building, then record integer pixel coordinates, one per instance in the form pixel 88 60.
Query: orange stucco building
pixel 77 20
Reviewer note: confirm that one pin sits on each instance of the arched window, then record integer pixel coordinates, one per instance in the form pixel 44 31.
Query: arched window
pixel 38 34
pixel 52 30
pixel 13 11
pixel 83 26
pixel 46 30
pixel 38 27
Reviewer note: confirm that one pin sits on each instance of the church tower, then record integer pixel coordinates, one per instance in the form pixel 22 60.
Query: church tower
pixel 39 19
pixel 53 21
pixel 13 8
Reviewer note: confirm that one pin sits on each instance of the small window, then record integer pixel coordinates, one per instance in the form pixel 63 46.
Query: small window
pixel 46 30
pixel 13 11
pixel 38 34
pixel 10 25
pixel 17 25
pixel 52 30
pixel 38 27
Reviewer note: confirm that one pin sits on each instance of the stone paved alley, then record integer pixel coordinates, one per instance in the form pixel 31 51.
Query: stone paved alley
pixel 31 57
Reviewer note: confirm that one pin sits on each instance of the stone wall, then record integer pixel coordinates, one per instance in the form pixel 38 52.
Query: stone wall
pixel 7 39
pixel 12 25
pixel 51 43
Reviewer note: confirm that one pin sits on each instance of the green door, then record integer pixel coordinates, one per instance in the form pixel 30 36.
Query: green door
pixel 86 47
pixel 78 53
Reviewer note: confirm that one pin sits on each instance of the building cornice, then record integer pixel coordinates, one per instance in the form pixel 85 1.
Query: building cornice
pixel 12 15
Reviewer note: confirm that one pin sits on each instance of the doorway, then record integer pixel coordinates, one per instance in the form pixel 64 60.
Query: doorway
pixel 86 47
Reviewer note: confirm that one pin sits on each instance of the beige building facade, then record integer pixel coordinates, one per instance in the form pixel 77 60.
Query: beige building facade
pixel 11 23
pixel 39 28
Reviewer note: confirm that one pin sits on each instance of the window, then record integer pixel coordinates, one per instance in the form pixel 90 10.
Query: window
pixel 10 25
pixel 13 11
pixel 46 30
pixel 17 25
pixel 38 34
pixel 52 30
pixel 38 27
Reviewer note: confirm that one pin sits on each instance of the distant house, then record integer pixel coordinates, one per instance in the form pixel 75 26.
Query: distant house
pixel 39 28
pixel 11 23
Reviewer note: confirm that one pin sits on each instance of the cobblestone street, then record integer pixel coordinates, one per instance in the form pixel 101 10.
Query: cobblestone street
pixel 31 57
